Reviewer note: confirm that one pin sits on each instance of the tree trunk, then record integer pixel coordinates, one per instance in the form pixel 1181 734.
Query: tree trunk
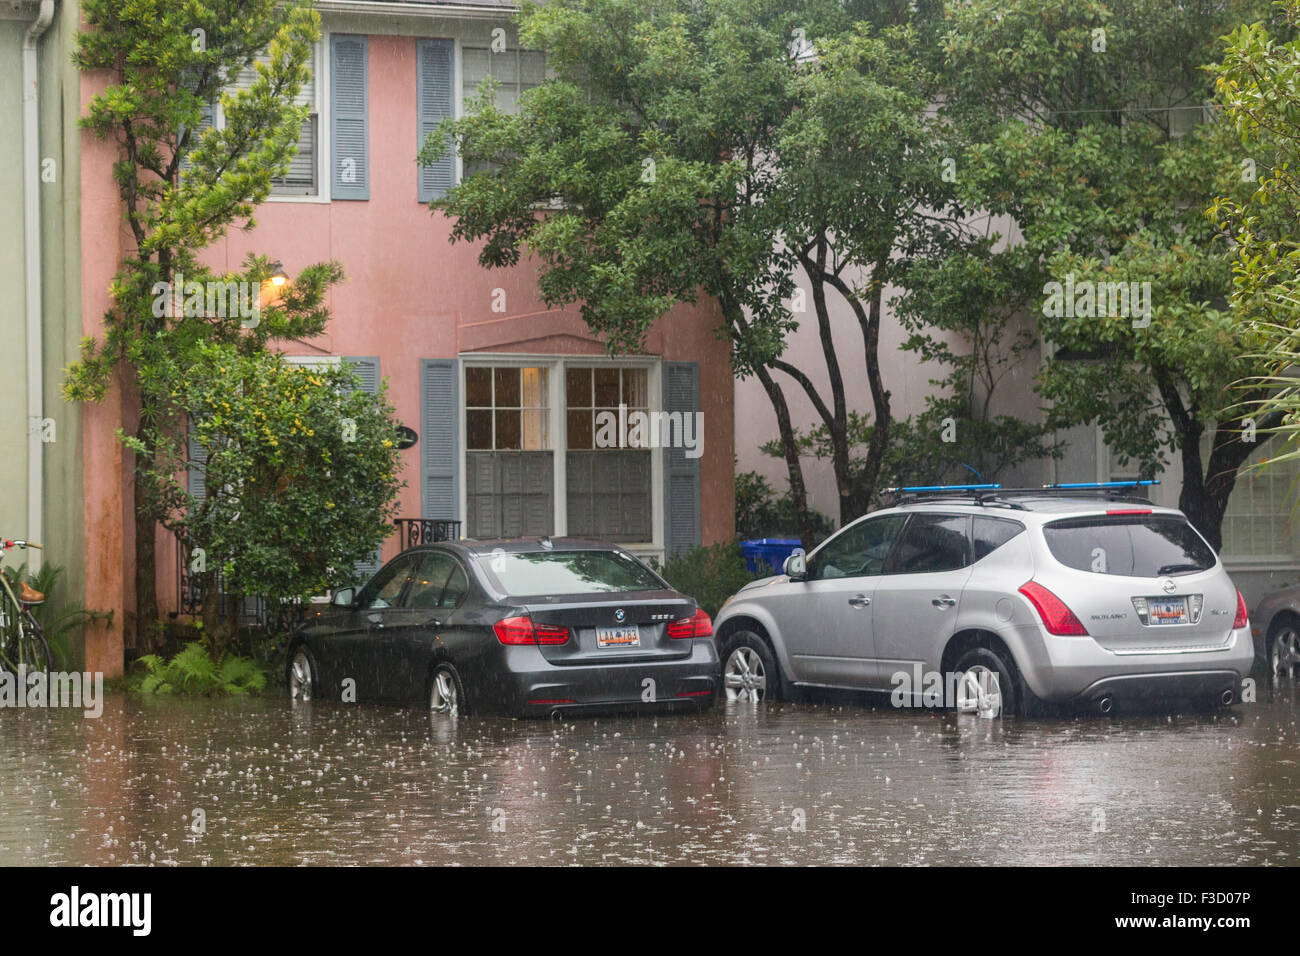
pixel 798 491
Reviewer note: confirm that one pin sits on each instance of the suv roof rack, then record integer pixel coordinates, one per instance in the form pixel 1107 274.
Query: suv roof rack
pixel 995 494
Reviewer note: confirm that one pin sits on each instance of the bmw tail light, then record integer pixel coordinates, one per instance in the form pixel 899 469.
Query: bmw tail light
pixel 697 625
pixel 1242 618
pixel 522 630
pixel 1057 616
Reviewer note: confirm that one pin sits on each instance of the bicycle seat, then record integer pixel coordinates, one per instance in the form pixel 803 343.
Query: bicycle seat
pixel 29 595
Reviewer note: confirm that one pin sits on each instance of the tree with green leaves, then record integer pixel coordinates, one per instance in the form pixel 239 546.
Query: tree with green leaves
pixel 721 148
pixel 1091 131
pixel 1258 84
pixel 184 182
pixel 299 470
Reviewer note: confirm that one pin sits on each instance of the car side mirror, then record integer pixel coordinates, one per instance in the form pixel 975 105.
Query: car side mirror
pixel 344 597
pixel 795 566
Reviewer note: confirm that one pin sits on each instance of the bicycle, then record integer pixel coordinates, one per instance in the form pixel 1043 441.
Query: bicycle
pixel 23 648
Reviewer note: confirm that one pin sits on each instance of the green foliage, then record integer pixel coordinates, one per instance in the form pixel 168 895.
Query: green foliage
pixel 300 467
pixel 762 513
pixel 195 672
pixel 1258 83
pixel 710 574
pixel 1088 128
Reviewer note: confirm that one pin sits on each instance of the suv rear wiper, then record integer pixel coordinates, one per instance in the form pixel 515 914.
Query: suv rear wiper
pixel 1178 568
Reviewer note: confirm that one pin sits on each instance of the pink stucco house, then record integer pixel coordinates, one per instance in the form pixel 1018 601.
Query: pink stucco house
pixel 500 389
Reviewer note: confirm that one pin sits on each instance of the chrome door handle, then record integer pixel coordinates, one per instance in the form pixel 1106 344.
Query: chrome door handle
pixel 859 600
pixel 943 601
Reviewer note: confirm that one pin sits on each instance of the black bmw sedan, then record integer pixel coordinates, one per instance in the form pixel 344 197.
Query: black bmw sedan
pixel 524 627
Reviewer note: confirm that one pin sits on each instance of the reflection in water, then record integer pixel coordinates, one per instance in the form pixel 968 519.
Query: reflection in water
pixel 795 783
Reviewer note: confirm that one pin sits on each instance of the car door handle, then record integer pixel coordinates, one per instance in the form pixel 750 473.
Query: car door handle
pixel 859 600
pixel 943 602
pixel 376 619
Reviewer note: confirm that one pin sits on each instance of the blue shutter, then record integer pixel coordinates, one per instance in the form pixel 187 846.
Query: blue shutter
pixel 367 367
pixel 681 474
pixel 439 439
pixel 197 477
pixel 434 82
pixel 349 118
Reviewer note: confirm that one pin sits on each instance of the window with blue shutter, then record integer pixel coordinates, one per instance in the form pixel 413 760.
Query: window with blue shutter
pixel 434 83
pixel 367 367
pixel 349 118
pixel 439 439
pixel 681 382
pixel 197 478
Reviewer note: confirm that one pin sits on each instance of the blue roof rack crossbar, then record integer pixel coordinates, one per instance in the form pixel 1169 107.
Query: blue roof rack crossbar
pixel 937 489
pixel 1086 485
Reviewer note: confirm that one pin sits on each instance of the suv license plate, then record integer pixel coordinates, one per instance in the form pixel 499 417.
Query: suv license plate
pixel 1168 610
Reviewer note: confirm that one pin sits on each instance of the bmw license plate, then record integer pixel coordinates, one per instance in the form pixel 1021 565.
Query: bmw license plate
pixel 627 635
pixel 1168 610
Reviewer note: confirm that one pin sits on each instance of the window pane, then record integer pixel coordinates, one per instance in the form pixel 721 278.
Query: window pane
pixel 579 429
pixel 478 428
pixel 992 533
pixel 478 387
pixel 931 543
pixel 1145 547
pixel 534 388
pixel 858 550
pixel 567 572
pixel 636 388
pixel 537 429
pixel 607 387
pixel 577 387
pixel 508 430
pixel 506 381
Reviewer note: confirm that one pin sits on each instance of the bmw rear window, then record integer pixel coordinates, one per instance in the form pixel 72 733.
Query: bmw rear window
pixel 1143 546
pixel 566 572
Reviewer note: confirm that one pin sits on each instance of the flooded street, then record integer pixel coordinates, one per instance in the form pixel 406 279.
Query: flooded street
pixel 803 783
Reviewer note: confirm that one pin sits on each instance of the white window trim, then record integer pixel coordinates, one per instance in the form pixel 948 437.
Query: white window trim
pixel 320 79
pixel 559 435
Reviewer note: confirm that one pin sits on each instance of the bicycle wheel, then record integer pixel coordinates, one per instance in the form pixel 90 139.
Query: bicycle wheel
pixel 25 647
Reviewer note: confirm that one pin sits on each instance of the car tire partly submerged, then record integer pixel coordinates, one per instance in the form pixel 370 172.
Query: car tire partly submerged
pixel 446 692
pixel 977 692
pixel 1284 647
pixel 749 671
pixel 300 674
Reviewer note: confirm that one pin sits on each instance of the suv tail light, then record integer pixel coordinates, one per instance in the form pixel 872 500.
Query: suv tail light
pixel 1057 617
pixel 1242 618
pixel 697 625
pixel 522 630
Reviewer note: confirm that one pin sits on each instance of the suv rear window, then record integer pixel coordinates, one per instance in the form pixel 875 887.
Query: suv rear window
pixel 566 572
pixel 1143 546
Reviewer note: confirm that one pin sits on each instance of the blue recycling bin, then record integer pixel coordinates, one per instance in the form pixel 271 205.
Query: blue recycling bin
pixel 767 555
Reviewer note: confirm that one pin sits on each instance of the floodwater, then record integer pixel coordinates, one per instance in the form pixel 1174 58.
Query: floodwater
pixel 810 782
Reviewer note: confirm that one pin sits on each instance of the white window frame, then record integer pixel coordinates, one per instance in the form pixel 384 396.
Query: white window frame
pixel 320 80
pixel 557 364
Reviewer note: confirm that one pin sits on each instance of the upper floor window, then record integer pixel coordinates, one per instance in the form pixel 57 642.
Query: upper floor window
pixel 303 177
pixel 515 71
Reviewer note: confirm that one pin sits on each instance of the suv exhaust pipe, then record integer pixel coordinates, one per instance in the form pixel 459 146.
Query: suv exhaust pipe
pixel 1227 697
pixel 1105 705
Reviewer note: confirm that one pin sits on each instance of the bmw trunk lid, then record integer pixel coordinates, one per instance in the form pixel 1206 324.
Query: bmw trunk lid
pixel 606 628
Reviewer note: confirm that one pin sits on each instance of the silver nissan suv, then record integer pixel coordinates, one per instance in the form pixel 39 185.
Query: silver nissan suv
pixel 988 600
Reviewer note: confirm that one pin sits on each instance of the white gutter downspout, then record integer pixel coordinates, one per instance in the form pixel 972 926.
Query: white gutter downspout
pixel 32 292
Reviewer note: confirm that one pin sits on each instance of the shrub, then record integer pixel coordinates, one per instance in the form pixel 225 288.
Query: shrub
pixel 762 513
pixel 195 672
pixel 709 574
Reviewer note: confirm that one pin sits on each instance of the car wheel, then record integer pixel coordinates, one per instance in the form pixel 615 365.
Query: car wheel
pixel 988 686
pixel 1284 648
pixel 446 693
pixel 301 673
pixel 748 670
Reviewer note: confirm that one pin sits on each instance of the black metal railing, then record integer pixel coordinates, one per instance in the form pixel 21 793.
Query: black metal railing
pixel 254 610
pixel 413 532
